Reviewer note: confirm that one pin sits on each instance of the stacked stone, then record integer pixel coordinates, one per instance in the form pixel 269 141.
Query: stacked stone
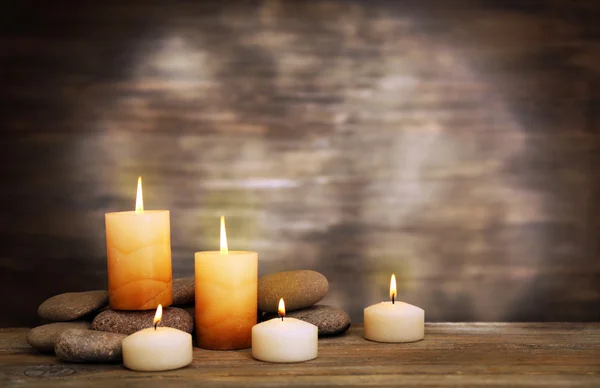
pixel 301 291
pixel 84 329
pixel 70 336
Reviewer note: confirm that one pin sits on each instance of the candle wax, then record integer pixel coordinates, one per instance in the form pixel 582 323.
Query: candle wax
pixel 226 299
pixel 394 322
pixel 163 348
pixel 138 249
pixel 287 340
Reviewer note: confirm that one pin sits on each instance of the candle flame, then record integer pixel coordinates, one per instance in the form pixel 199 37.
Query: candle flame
pixel 393 288
pixel 281 308
pixel 157 316
pixel 139 199
pixel 224 249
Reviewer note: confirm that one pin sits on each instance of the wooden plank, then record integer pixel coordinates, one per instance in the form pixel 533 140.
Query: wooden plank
pixel 474 354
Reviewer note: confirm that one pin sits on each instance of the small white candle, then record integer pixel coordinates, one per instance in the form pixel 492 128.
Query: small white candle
pixel 157 348
pixel 285 339
pixel 394 321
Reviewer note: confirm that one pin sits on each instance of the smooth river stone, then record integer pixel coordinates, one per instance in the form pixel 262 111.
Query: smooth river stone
pixel 299 289
pixel 190 310
pixel 183 291
pixel 44 337
pixel 72 305
pixel 78 345
pixel 329 319
pixel 128 322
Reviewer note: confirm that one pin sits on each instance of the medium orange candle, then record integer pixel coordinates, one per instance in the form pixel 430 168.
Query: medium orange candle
pixel 226 297
pixel 138 246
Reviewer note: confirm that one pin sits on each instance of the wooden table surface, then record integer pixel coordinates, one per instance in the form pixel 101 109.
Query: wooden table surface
pixel 470 354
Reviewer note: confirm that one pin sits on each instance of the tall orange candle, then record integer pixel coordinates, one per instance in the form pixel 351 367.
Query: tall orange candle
pixel 138 246
pixel 226 297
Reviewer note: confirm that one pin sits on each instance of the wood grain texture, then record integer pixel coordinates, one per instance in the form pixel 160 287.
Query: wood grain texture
pixel 472 354
pixel 455 143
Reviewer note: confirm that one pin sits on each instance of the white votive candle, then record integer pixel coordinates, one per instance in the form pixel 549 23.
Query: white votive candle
pixel 285 340
pixel 394 321
pixel 157 349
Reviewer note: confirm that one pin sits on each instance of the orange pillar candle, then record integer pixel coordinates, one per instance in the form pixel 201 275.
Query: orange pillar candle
pixel 226 297
pixel 138 246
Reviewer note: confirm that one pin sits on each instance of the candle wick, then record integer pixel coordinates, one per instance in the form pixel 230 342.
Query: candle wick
pixel 393 299
pixel 156 324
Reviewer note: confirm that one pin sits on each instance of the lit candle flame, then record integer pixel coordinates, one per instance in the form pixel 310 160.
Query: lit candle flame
pixel 157 316
pixel 281 308
pixel 224 249
pixel 393 288
pixel 139 199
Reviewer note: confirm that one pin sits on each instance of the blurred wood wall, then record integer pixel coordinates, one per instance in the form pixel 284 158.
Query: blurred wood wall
pixel 455 143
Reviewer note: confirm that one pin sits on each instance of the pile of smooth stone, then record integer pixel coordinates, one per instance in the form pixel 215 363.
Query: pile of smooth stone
pixel 301 291
pixel 85 329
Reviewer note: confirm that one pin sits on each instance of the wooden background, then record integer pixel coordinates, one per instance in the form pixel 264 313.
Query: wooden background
pixel 455 143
